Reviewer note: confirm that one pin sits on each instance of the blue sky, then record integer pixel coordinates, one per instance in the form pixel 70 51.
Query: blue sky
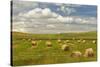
pixel 43 17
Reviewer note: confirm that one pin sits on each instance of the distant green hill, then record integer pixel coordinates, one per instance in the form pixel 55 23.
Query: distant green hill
pixel 84 35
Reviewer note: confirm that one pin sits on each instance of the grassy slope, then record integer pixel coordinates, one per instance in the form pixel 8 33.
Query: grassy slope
pixel 24 54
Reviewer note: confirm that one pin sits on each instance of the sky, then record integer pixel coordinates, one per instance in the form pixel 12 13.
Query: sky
pixel 43 17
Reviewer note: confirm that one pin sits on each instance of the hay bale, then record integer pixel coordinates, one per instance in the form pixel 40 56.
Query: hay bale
pixel 67 40
pixel 89 52
pixel 34 43
pixel 49 44
pixel 94 42
pixel 65 47
pixel 40 40
pixel 83 41
pixel 59 40
pixel 76 54
pixel 79 41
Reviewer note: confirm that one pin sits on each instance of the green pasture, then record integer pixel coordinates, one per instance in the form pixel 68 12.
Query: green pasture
pixel 24 54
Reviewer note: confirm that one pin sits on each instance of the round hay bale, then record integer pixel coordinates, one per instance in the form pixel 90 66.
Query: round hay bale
pixel 49 44
pixel 59 40
pixel 40 40
pixel 94 42
pixel 78 41
pixel 67 40
pixel 76 54
pixel 89 52
pixel 34 43
pixel 83 41
pixel 65 47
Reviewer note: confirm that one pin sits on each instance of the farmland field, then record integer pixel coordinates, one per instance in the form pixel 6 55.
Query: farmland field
pixel 24 54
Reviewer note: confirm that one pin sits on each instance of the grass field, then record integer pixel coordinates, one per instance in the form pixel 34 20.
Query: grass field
pixel 24 54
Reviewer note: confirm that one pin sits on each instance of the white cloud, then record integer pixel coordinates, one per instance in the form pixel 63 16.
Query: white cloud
pixel 46 12
pixel 85 20
pixel 39 18
pixel 35 13
pixel 46 19
pixel 65 19
pixel 50 26
pixel 39 13
pixel 67 9
pixel 23 6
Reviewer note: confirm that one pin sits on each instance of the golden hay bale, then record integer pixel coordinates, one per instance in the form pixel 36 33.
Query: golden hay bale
pixel 93 41
pixel 67 40
pixel 83 41
pixel 40 40
pixel 59 40
pixel 78 41
pixel 48 43
pixel 34 43
pixel 65 47
pixel 76 54
pixel 89 52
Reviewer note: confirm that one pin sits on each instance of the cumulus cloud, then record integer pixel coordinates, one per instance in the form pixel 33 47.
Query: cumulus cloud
pixel 65 19
pixel 45 20
pixel 85 20
pixel 39 13
pixel 50 26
